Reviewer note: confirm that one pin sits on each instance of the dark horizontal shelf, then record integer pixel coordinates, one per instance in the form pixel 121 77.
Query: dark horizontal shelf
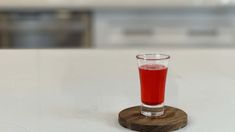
pixel 42 27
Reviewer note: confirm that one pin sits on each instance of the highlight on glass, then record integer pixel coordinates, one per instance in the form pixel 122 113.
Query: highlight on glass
pixel 152 73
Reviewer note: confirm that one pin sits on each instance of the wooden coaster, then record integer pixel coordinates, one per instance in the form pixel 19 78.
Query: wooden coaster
pixel 172 119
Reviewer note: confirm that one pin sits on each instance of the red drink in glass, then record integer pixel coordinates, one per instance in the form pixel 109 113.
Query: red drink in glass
pixel 152 81
pixel 152 72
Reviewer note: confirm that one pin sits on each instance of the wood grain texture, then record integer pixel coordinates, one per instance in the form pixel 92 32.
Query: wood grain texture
pixel 173 119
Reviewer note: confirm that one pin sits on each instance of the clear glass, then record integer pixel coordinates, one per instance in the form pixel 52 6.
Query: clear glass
pixel 152 73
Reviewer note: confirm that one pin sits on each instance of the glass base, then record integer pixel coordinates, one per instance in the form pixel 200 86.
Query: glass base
pixel 152 110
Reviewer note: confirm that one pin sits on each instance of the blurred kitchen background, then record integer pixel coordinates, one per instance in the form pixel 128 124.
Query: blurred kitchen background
pixel 117 24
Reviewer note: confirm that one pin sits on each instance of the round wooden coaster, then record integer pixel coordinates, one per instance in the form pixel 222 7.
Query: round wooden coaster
pixel 172 119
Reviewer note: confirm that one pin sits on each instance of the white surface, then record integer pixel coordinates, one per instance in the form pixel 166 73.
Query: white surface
pixel 110 3
pixel 83 90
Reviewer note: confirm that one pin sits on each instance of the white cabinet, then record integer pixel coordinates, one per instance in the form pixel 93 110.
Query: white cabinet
pixel 219 2
pixel 162 28
pixel 140 3
pixel 157 3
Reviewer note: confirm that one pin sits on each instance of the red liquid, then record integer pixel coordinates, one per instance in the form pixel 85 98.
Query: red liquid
pixel 152 81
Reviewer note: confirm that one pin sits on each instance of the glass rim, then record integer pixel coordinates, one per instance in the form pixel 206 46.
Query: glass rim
pixel 161 56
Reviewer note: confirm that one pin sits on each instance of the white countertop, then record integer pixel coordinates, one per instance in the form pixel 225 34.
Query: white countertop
pixel 83 90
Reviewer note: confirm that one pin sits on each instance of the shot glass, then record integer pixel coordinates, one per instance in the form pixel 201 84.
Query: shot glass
pixel 152 73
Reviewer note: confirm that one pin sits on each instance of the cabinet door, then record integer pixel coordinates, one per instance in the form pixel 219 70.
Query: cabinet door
pixel 140 3
pixel 132 29
pixel 152 29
